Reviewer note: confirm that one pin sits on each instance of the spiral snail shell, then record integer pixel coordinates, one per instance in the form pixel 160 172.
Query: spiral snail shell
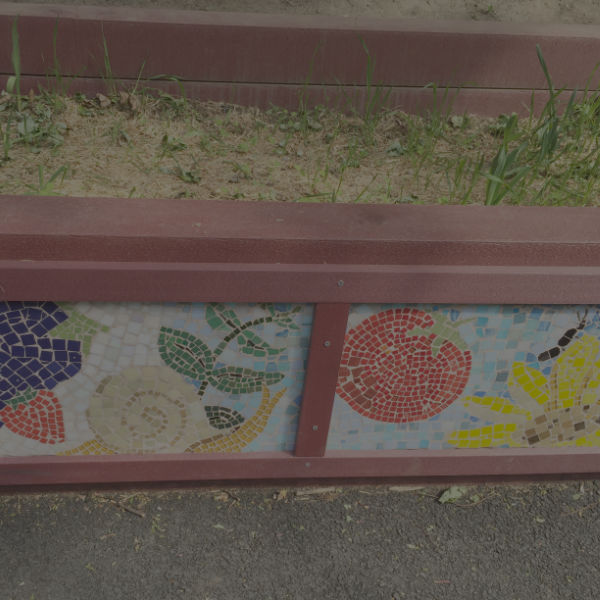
pixel 147 409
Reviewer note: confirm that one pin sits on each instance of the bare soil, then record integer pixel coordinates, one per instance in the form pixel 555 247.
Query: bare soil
pixel 532 11
pixel 170 148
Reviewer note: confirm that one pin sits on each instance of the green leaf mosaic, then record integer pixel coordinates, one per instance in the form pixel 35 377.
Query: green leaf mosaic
pixel 221 417
pixel 219 317
pixel 237 380
pixel 184 353
pixel 22 399
pixel 78 327
pixel 253 345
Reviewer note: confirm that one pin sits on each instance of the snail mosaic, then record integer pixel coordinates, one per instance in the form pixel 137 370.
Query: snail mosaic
pixel 436 377
pixel 150 378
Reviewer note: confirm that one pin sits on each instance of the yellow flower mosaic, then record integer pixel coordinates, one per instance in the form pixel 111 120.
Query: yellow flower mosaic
pixel 562 409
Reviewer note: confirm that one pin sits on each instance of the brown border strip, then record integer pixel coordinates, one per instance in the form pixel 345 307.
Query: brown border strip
pixel 513 462
pixel 326 344
pixel 205 231
pixel 238 47
pixel 189 282
pixel 234 48
pixel 148 250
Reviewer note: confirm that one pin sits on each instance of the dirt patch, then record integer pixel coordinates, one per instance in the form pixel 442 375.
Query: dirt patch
pixel 137 145
pixel 534 11
pixel 171 148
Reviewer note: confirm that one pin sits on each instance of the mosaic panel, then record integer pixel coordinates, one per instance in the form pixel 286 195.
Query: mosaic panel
pixel 440 376
pixel 91 378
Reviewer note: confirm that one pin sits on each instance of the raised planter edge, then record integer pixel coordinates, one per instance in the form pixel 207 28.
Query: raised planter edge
pixel 556 252
pixel 263 60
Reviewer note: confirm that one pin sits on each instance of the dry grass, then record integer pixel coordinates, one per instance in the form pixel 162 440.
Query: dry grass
pixel 210 150
pixel 138 145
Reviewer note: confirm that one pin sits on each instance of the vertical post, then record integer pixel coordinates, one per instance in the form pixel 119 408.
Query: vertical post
pixel 324 355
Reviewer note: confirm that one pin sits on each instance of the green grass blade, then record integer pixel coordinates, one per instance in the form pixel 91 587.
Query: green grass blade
pixel 16 60
pixel 546 72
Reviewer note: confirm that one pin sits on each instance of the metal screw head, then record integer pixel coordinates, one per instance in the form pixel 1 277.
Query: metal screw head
pixel 340 283
pixel 307 464
pixel 315 428
pixel 326 343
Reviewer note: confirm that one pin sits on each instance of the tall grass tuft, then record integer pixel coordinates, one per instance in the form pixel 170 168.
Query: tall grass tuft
pixel 13 84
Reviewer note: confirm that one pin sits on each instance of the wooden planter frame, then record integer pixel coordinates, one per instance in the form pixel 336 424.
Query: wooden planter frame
pixel 74 249
pixel 71 249
pixel 263 60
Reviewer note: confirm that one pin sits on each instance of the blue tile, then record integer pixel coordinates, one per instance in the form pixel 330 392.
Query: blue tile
pixel 39 330
pixel 49 323
pixel 32 352
pixel 28 339
pixel 13 364
pixel 15 380
pixel 51 382
pixel 11 339
pixel 72 369
pixel 20 327
pixel 18 352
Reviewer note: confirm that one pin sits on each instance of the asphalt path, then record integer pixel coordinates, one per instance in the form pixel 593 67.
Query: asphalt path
pixel 501 543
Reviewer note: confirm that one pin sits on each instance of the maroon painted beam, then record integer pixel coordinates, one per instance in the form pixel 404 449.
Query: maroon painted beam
pixel 326 344
pixel 221 282
pixel 261 60
pixel 413 464
pixel 238 47
pixel 188 250
pixel 205 231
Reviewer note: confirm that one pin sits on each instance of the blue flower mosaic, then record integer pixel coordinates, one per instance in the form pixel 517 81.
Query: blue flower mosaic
pixel 29 359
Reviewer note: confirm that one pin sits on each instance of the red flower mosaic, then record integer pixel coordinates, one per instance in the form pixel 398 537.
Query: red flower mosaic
pixel 41 419
pixel 399 366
